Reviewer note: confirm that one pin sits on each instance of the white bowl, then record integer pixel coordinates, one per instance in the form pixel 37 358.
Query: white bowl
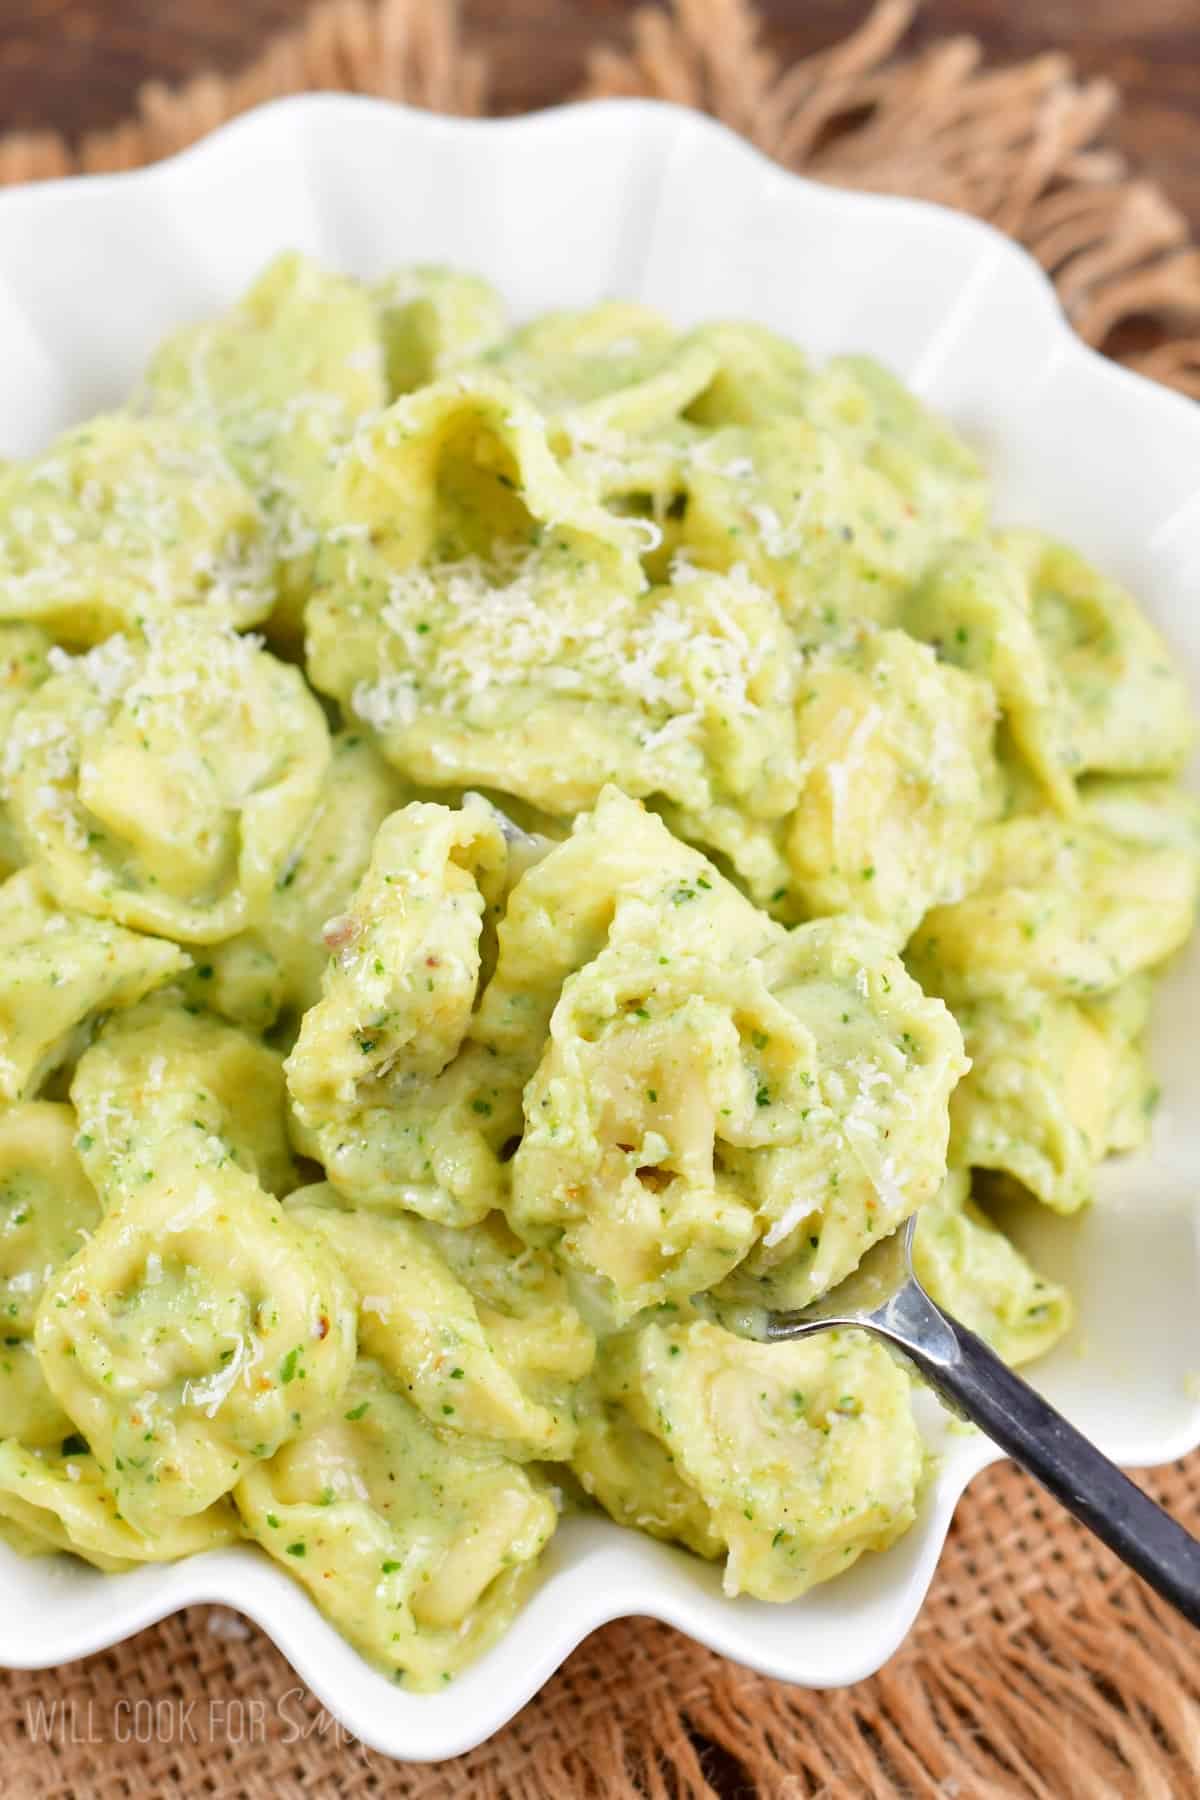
pixel 652 203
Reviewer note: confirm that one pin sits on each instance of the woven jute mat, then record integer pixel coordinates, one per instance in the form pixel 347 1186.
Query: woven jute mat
pixel 1038 1667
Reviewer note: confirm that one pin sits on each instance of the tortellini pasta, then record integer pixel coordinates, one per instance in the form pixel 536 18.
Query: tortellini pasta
pixel 24 665
pixel 128 521
pixel 487 620
pixel 897 754
pixel 432 318
pixel 280 382
pixel 479 1330
pixel 973 606
pixel 1053 1086
pixel 578 365
pixel 696 1082
pixel 494 626
pixel 1046 965
pixel 419 1547
pixel 164 785
pixel 864 405
pixel 1123 1016
pixel 158 1068
pixel 58 971
pixel 60 1501
pixel 1126 706
pixel 274 970
pixel 672 838
pixel 399 992
pixel 716 1090
pixel 29 1412
pixel 792 1459
pixel 47 1206
pixel 464 570
pixel 1149 812
pixel 400 988
pixel 197 1330
pixel 977 1273
pixel 830 536
pixel 1062 907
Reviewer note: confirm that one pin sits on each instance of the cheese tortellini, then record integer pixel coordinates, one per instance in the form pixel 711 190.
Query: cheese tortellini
pixel 1046 965
pixel 478 1328
pixel 58 971
pixel 1126 710
pixel 789 1459
pixel 199 1328
pixel 1063 907
pixel 898 783
pixel 47 1206
pixel 160 1067
pixel 279 383
pixel 274 970
pixel 1052 1088
pixel 419 1547
pixel 59 1500
pixel 715 1089
pixel 400 986
pixel 128 521
pixel 671 838
pixel 977 1272
pixel 689 1082
pixel 432 319
pixel 164 783
pixel 24 665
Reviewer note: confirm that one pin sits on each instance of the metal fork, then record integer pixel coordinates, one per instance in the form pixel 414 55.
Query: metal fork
pixel 884 1296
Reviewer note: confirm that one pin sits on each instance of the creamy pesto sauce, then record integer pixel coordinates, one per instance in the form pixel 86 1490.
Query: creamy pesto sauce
pixel 663 837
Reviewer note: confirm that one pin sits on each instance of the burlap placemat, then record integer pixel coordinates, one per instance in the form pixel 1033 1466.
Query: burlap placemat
pixel 1038 1667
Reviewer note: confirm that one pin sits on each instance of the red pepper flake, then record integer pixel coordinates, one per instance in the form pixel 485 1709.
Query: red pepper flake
pixel 339 931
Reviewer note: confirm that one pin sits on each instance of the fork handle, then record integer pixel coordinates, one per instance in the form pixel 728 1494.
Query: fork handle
pixel 974 1382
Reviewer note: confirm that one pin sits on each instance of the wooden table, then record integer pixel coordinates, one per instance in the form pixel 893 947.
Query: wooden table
pixel 74 64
